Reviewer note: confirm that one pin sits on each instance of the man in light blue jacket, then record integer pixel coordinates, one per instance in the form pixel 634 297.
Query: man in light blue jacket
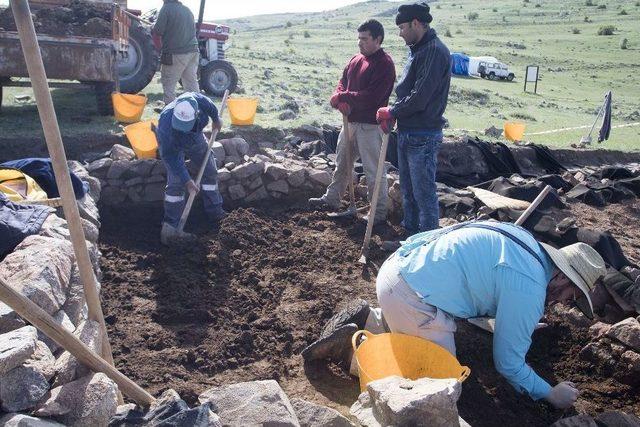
pixel 487 269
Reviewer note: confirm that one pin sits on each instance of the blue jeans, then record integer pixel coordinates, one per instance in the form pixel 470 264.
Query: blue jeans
pixel 174 199
pixel 417 162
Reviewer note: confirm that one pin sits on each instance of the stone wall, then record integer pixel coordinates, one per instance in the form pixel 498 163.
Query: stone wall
pixel 37 377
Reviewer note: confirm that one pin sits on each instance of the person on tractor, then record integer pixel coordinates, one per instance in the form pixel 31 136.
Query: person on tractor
pixel 180 56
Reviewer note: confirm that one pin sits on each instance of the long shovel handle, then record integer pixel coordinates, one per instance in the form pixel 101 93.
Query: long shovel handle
pixel 532 207
pixel 349 146
pixel 374 199
pixel 192 196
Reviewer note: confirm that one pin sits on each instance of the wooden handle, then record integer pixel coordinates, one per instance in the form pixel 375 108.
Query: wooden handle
pixel 532 207
pixel 35 67
pixel 44 322
pixel 374 198
pixel 203 166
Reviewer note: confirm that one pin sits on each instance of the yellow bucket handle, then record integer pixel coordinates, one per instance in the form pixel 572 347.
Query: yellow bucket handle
pixel 354 338
pixel 465 374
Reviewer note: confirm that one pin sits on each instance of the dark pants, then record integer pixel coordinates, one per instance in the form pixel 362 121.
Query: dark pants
pixel 417 162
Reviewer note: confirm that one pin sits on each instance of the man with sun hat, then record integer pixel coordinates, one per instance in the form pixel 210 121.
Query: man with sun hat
pixel 180 135
pixel 493 269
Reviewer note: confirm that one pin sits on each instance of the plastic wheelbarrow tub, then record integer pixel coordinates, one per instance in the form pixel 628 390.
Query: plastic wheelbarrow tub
pixel 514 131
pixel 142 139
pixel 242 110
pixel 128 108
pixel 383 355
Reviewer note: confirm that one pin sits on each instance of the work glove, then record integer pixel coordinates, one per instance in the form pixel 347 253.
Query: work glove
pixel 344 108
pixel 192 188
pixel 335 100
pixel 563 395
pixel 385 119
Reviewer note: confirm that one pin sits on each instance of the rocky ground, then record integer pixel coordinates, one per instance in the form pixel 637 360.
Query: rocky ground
pixel 241 303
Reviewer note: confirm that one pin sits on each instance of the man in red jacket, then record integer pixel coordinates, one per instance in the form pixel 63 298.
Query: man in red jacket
pixel 365 86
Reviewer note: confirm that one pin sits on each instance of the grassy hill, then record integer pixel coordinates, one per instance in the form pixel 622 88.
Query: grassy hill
pixel 293 61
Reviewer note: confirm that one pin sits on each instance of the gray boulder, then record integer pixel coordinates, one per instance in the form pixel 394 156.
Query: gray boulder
pixel 9 320
pixel 314 415
pixel 120 152
pixel 246 170
pixel 88 401
pixel 76 305
pixel 62 319
pixel 22 388
pixel 67 366
pixel 280 186
pixel 321 177
pixel 399 401
pixel 16 347
pixel 627 332
pixel 251 403
pixel 22 420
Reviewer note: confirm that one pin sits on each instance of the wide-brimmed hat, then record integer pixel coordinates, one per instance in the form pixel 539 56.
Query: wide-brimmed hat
pixel 583 266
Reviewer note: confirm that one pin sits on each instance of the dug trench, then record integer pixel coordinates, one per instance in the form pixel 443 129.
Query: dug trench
pixel 241 302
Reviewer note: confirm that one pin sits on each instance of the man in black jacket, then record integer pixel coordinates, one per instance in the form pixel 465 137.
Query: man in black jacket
pixel 422 94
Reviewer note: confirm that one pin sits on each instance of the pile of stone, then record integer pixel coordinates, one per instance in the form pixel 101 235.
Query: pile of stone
pixel 615 350
pixel 37 377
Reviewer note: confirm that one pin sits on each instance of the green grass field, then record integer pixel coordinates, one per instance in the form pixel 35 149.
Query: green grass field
pixel 296 59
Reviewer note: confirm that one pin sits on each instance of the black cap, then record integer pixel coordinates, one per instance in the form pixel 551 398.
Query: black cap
pixel 409 12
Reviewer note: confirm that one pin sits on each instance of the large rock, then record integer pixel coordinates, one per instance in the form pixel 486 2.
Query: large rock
pixel 236 192
pixel 9 320
pixel 16 347
pixel 100 167
pixel 76 305
pixel 627 332
pixel 42 360
pixel 218 152
pixel 617 419
pixel 22 420
pixel 276 171
pixel 235 147
pixel 399 401
pixel 246 170
pixel 62 319
pixel 40 268
pixel 280 186
pixel 120 152
pixel 582 420
pixel 22 388
pixel 88 401
pixel 67 366
pixel 321 177
pixel 257 195
pixel 296 176
pixel 251 403
pixel 313 415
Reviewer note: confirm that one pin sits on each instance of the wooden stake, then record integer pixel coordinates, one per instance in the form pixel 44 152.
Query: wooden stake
pixel 35 67
pixel 212 139
pixel 532 207
pixel 44 322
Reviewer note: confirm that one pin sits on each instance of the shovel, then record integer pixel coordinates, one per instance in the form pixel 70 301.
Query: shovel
pixel 351 211
pixel 374 200
pixel 192 196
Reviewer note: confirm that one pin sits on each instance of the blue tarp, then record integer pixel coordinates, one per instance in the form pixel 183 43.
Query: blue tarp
pixel 459 64
pixel 17 222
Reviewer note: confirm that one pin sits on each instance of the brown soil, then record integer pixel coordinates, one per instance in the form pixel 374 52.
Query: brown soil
pixel 78 19
pixel 240 304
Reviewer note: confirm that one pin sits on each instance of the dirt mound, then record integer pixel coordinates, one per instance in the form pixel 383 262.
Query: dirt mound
pixel 240 304
pixel 78 19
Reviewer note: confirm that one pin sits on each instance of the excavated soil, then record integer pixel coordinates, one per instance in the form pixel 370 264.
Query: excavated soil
pixel 240 304
pixel 76 19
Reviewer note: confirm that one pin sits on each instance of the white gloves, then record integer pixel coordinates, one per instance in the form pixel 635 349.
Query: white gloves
pixel 563 395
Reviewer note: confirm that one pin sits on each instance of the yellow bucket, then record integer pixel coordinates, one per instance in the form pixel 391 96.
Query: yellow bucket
pixel 242 110
pixel 514 131
pixel 128 108
pixel 384 355
pixel 142 139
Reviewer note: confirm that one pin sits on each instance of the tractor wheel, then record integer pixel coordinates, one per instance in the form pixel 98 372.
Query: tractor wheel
pixel 103 92
pixel 510 77
pixel 492 76
pixel 137 70
pixel 218 76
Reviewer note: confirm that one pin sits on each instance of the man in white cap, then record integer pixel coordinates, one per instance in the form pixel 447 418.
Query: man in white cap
pixel 180 134
pixel 487 269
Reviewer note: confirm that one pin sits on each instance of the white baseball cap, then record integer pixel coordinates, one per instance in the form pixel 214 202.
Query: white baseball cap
pixel 184 113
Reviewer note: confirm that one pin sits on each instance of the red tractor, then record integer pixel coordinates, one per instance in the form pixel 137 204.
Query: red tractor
pixel 137 68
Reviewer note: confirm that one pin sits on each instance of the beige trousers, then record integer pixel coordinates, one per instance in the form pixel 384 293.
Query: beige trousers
pixel 185 68
pixel 366 141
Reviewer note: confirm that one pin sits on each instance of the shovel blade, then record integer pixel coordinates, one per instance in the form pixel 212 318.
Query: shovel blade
pixel 349 212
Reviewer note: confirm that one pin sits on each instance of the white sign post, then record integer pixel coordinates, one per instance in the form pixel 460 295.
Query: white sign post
pixel 531 76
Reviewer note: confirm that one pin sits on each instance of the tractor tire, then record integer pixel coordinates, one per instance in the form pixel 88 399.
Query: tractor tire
pixel 218 76
pixel 492 76
pixel 103 92
pixel 136 71
pixel 510 77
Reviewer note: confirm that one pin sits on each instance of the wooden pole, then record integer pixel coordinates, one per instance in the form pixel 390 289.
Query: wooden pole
pixel 44 322
pixel 532 207
pixel 349 146
pixel 192 196
pixel 374 199
pixel 35 67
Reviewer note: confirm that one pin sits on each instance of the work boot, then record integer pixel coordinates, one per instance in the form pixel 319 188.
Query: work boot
pixel 170 235
pixel 322 203
pixel 378 220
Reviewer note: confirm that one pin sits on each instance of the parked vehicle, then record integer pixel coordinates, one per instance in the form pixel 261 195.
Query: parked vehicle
pixel 490 68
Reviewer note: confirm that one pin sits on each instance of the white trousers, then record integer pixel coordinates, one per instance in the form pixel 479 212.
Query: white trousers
pixel 185 68
pixel 406 313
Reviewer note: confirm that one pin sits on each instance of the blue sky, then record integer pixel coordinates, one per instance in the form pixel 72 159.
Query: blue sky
pixel 216 9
